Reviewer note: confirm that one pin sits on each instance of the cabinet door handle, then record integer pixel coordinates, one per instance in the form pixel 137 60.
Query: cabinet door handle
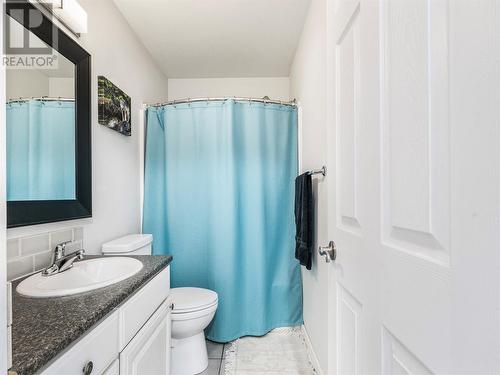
pixel 87 369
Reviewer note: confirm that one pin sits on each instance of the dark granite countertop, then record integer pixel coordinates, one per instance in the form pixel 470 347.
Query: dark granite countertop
pixel 44 327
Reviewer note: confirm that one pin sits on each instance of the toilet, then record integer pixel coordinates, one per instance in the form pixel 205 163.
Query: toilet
pixel 132 244
pixel 194 309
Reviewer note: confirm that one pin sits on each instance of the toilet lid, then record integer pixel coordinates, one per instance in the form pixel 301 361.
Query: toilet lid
pixel 192 299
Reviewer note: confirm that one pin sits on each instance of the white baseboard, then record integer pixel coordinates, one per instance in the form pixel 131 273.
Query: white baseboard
pixel 311 353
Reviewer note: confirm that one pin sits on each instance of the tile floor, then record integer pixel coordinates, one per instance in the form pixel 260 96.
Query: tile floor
pixel 215 359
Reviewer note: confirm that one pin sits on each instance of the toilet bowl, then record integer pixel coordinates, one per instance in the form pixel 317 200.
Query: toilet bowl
pixel 194 309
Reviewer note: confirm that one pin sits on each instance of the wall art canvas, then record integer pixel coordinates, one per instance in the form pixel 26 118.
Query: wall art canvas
pixel 114 107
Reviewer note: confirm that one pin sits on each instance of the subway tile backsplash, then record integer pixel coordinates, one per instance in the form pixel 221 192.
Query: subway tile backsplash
pixel 13 248
pixel 19 267
pixel 35 244
pixel 29 254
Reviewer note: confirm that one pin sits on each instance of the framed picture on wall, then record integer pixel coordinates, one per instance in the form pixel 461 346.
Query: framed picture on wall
pixel 114 107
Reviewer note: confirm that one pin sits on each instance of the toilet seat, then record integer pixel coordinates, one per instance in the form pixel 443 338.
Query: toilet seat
pixel 194 314
pixel 192 300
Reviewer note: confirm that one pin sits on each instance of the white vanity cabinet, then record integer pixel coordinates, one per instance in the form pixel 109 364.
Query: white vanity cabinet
pixel 134 339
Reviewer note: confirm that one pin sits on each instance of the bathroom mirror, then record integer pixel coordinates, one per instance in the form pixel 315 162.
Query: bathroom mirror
pixel 47 120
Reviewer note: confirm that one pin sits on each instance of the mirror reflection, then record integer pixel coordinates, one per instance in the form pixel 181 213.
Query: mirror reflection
pixel 40 129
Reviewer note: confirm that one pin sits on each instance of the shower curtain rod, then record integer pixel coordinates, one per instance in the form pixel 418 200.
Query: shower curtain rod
pixel 264 100
pixel 41 98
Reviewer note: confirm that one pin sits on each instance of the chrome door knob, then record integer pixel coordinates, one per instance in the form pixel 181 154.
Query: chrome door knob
pixel 329 252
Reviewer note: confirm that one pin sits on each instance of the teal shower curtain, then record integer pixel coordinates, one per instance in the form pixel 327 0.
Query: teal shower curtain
pixel 40 150
pixel 219 193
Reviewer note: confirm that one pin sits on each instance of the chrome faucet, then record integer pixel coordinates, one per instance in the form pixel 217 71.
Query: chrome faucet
pixel 61 262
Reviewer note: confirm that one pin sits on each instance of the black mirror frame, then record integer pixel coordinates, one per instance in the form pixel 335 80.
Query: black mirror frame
pixel 22 213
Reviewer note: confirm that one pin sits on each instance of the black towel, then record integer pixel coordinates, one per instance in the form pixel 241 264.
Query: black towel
pixel 304 220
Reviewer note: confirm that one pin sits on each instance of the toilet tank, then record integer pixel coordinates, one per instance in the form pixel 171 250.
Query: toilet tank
pixel 132 244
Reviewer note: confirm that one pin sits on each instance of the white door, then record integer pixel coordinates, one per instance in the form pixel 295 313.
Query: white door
pixel 413 116
pixel 148 353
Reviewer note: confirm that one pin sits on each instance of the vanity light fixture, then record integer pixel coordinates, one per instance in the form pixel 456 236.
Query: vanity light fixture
pixel 69 12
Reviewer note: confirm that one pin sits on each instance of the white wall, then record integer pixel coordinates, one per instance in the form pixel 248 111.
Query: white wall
pixel 23 83
pixel 307 84
pixel 62 87
pixel 33 83
pixel 118 55
pixel 276 88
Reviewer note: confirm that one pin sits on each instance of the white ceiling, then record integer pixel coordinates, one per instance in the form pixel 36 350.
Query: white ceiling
pixel 218 38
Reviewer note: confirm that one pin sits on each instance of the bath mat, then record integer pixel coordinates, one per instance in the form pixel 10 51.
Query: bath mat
pixel 281 351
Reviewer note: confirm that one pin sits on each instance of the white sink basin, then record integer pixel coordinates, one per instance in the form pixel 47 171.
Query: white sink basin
pixel 83 276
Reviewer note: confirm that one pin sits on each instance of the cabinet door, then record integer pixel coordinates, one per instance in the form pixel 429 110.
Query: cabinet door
pixel 114 369
pixel 148 353
pixel 141 306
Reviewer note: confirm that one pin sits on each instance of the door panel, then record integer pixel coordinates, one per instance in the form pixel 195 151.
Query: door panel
pixel 397 360
pixel 347 94
pixel 348 328
pixel 415 128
